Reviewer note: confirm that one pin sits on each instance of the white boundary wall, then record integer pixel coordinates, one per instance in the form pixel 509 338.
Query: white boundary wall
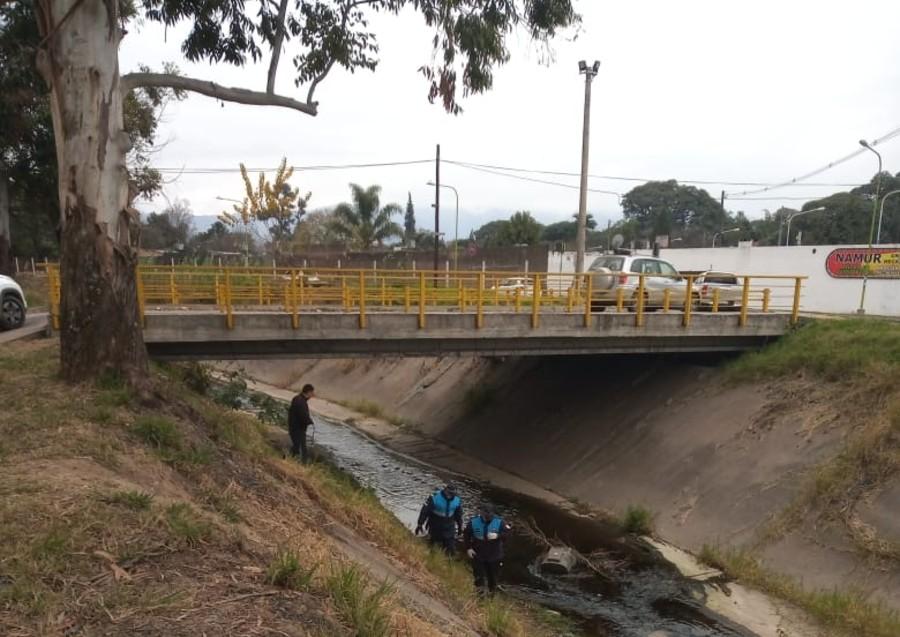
pixel 821 292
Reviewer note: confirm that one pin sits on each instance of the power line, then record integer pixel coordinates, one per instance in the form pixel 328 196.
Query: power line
pixel 530 179
pixel 701 182
pixel 777 198
pixel 213 171
pixel 828 166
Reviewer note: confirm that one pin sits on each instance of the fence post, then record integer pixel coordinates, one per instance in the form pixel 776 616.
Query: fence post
pixel 229 316
pixel 479 315
pixel 17 265
pixel 639 306
pixel 667 300
pixel 745 300
pixel 55 285
pixel 406 299
pixel 259 288
pixel 421 300
pixel 518 294
pixel 172 293
pixel 620 299
pixel 767 294
pixel 535 301
pixel 362 299
pixel 588 292
pixel 715 300
pixel 688 302
pixel 383 293
pixel 795 311
pixel 295 317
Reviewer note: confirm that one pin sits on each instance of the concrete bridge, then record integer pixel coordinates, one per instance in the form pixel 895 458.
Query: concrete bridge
pixel 251 313
pixel 254 335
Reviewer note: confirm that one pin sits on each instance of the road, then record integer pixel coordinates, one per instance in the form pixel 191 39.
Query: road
pixel 35 326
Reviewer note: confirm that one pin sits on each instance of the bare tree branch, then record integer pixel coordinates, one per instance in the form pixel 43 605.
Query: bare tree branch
pixel 276 47
pixel 132 81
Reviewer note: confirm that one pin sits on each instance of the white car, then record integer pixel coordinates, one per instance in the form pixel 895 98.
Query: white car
pixel 511 285
pixel 613 272
pixel 12 304
pixel 730 289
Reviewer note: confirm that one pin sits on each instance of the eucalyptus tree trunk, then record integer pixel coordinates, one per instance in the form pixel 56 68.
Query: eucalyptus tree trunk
pixel 101 330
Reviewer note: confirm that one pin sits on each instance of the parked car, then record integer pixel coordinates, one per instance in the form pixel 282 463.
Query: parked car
pixel 12 304
pixel 613 272
pixel 510 286
pixel 731 289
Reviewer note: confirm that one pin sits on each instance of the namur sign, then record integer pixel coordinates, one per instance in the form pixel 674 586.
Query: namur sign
pixel 854 263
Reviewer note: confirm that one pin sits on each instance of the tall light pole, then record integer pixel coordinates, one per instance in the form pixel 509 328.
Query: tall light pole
pixel 881 214
pixel 721 232
pixel 589 73
pixel 455 226
pixel 862 296
pixel 246 233
pixel 798 214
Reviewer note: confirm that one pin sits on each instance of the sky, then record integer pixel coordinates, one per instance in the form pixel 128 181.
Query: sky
pixel 760 91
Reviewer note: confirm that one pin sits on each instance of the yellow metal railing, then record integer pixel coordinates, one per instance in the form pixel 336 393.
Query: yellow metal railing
pixel 294 291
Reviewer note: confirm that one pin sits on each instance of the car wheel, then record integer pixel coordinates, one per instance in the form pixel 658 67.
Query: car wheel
pixel 12 313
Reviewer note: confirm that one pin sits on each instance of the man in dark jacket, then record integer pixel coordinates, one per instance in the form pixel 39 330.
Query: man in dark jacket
pixel 484 537
pixel 442 514
pixel 298 420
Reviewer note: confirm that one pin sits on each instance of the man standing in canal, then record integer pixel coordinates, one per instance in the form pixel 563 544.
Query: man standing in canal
pixel 298 421
pixel 484 537
pixel 442 514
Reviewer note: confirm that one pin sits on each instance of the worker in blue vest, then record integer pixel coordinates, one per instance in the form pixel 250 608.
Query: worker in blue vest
pixel 442 515
pixel 484 537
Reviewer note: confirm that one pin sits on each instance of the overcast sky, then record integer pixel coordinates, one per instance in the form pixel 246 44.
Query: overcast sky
pixel 694 90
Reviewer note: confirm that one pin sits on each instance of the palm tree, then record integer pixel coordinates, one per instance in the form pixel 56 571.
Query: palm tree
pixel 365 222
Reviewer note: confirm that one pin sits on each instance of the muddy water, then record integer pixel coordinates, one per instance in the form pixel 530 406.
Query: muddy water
pixel 642 596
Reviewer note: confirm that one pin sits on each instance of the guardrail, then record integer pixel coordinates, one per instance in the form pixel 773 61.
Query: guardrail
pixel 294 291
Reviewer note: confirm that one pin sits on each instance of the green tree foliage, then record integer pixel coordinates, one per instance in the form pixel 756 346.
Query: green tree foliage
pixel 520 229
pixel 27 150
pixel 523 229
pixel 409 221
pixel 316 229
pixel 365 222
pixel 669 208
pixel 275 204
pixel 847 217
pixel 170 229
pixel 566 230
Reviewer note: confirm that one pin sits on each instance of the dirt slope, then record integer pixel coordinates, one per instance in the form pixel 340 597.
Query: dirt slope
pixel 177 518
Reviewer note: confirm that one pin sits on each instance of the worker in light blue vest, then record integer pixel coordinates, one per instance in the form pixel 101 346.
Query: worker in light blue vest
pixel 443 516
pixel 484 537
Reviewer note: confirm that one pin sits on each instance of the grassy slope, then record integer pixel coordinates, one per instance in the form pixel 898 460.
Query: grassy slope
pixel 178 518
pixel 858 361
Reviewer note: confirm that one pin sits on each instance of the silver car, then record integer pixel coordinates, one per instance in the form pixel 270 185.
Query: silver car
pixel 614 272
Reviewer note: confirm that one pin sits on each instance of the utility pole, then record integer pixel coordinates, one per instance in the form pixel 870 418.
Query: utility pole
pixel 589 73
pixel 722 201
pixel 437 209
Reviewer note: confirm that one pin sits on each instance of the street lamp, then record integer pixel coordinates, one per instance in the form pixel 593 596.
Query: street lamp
pixel 589 73
pixel 862 296
pixel 456 227
pixel 797 214
pixel 246 237
pixel 721 232
pixel 881 214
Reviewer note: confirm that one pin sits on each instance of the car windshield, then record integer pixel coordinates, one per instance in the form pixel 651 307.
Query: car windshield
pixel 666 269
pixel 610 263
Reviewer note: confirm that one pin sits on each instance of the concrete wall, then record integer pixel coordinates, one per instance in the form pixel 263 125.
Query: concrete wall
pixel 822 292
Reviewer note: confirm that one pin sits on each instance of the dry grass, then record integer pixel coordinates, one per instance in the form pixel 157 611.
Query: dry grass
pixel 37 290
pixel 163 519
pixel 849 613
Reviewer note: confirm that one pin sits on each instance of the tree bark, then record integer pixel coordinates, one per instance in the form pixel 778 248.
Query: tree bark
pixel 5 237
pixel 101 328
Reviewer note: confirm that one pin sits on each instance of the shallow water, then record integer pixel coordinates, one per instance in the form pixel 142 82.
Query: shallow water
pixel 644 596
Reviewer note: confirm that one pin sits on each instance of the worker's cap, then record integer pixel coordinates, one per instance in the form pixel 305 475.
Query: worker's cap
pixel 487 508
pixel 450 489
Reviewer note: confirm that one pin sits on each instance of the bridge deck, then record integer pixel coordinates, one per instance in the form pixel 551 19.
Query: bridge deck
pixel 206 334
